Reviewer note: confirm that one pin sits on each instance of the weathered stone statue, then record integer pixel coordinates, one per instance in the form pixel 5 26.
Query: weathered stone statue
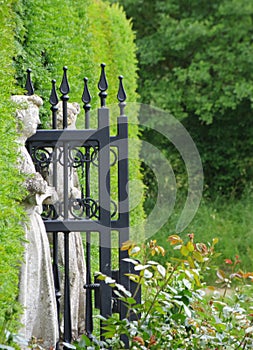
pixel 77 266
pixel 36 285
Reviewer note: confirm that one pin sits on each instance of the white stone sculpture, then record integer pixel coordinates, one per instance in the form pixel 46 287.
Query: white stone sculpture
pixel 36 285
pixel 77 266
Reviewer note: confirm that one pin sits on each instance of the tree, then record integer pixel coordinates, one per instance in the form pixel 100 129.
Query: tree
pixel 195 60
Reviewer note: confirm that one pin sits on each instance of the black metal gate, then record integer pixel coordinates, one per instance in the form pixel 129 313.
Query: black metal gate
pixel 80 150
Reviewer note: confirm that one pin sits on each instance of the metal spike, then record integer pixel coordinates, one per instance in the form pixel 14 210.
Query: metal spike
pixel 53 97
pixel 86 97
pixel 102 84
pixel 121 96
pixel 29 85
pixel 64 88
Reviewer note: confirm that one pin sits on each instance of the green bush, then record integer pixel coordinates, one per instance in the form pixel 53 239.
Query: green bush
pixel 11 232
pixel 178 310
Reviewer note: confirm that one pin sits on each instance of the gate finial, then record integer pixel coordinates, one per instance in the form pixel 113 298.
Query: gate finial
pixel 86 98
pixel 64 88
pixel 121 96
pixel 29 85
pixel 53 99
pixel 102 85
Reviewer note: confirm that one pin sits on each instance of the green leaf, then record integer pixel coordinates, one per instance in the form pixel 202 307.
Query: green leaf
pixel 141 267
pixel 109 280
pixel 161 270
pixel 197 256
pixel 147 274
pixel 133 277
pixel 135 250
pixel 190 246
pixel 130 301
pixel 184 250
pixel 135 262
pixel 186 283
pixel 187 310
pixel 221 274
pixel 249 330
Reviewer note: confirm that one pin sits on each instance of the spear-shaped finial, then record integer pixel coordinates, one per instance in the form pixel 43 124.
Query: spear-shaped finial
pixel 29 85
pixel 53 99
pixel 102 85
pixel 86 98
pixel 121 96
pixel 64 88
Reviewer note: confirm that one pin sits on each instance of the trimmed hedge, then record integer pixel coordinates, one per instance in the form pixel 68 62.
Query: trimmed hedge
pixel 11 232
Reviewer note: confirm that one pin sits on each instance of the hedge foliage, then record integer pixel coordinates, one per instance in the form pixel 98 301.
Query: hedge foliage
pixel 11 232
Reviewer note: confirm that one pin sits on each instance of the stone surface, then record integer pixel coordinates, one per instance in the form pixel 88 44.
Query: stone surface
pixel 36 286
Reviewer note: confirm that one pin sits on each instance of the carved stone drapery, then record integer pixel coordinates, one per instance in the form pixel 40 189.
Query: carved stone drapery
pixel 36 285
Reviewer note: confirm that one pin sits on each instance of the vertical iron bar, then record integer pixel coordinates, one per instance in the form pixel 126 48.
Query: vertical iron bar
pixel 105 215
pixel 56 273
pixel 104 199
pixel 64 88
pixel 86 98
pixel 56 279
pixel 54 101
pixel 123 200
pixel 67 309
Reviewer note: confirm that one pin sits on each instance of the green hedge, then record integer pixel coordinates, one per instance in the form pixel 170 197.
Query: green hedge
pixel 11 232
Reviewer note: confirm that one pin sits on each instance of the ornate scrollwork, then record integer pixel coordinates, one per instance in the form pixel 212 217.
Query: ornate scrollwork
pixel 51 211
pixel 94 155
pixel 79 208
pixel 78 156
pixel 115 157
pixel 114 210
pixel 42 157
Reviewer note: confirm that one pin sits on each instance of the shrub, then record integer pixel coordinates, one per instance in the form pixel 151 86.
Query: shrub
pixel 11 232
pixel 178 311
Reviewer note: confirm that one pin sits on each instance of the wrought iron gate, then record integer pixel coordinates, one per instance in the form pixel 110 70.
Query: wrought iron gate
pixel 79 150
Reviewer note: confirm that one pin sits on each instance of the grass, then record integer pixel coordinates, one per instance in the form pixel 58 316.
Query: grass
pixel 231 221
